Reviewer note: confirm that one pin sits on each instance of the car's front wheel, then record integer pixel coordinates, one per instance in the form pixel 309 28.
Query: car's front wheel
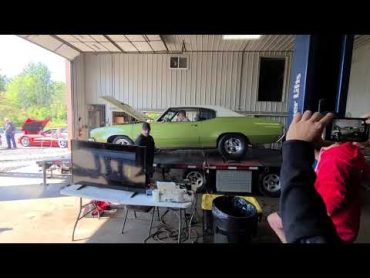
pixel 196 179
pixel 62 143
pixel 269 184
pixel 122 140
pixel 232 146
pixel 25 141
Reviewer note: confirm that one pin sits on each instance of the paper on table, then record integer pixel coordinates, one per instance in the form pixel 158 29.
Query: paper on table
pixel 163 185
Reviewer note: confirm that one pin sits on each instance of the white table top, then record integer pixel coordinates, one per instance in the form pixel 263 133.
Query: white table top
pixel 118 196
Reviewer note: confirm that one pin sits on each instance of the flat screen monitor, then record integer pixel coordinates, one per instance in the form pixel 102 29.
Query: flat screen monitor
pixel 109 165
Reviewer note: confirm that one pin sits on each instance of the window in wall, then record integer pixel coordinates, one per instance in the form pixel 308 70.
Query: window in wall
pixel 271 79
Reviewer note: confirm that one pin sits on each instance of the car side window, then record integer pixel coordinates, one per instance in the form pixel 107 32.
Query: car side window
pixel 206 114
pixel 190 115
pixel 193 115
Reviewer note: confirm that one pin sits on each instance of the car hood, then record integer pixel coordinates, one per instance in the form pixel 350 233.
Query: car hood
pixel 33 126
pixel 126 108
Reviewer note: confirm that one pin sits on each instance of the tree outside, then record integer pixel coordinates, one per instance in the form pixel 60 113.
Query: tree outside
pixel 3 82
pixel 32 94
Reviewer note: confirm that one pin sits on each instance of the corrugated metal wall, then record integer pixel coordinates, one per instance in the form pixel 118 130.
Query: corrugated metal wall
pixel 144 81
pixel 250 76
pixel 358 101
pixel 78 95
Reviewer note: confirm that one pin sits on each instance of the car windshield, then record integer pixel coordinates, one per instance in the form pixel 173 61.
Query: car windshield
pixel 187 114
pixel 167 116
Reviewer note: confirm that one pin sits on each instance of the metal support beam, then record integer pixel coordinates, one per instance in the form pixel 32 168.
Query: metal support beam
pixel 344 74
pixel 114 43
pixel 320 73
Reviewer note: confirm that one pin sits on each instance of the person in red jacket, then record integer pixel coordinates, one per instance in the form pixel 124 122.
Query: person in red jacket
pixel 340 172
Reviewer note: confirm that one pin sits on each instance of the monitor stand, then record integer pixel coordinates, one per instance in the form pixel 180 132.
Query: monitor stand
pixel 81 186
pixel 133 194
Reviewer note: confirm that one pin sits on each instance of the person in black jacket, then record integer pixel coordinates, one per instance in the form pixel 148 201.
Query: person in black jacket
pixel 302 210
pixel 146 140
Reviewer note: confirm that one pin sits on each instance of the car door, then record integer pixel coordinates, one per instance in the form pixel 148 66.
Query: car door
pixel 44 138
pixel 174 134
pixel 208 128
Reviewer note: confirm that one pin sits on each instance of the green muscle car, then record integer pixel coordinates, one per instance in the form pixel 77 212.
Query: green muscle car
pixel 204 127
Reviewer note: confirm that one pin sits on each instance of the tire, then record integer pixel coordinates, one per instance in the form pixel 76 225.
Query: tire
pixel 269 184
pixel 25 141
pixel 62 143
pixel 196 178
pixel 232 146
pixel 122 140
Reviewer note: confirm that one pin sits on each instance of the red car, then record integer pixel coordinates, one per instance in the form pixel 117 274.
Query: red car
pixel 34 135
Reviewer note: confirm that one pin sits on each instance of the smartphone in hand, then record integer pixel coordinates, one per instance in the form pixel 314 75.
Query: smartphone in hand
pixel 347 130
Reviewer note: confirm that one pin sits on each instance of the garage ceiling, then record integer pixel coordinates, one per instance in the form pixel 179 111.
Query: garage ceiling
pixel 216 43
pixel 361 40
pixel 70 46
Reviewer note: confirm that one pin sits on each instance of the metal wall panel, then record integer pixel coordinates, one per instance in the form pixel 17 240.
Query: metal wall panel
pixel 146 82
pixel 358 101
pixel 78 95
pixel 218 78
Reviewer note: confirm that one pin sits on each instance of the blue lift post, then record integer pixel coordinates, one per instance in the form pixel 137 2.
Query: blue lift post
pixel 320 74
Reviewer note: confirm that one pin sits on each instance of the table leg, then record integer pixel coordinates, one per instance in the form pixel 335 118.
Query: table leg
pixel 78 218
pixel 151 222
pixel 44 173
pixel 124 219
pixel 191 219
pixel 180 227
pixel 159 218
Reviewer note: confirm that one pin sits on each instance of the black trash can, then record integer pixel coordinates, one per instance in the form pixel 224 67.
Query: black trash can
pixel 234 220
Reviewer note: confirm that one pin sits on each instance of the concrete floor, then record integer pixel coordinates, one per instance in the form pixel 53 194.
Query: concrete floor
pixel 50 219
pixel 33 213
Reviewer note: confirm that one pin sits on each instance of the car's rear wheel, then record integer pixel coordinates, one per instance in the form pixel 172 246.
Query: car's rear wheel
pixel 122 140
pixel 25 141
pixel 233 146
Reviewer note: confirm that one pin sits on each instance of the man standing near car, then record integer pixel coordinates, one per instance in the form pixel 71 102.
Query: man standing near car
pixel 146 140
pixel 10 133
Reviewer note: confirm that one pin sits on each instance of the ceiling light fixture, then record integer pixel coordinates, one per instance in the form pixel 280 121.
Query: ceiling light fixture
pixel 241 37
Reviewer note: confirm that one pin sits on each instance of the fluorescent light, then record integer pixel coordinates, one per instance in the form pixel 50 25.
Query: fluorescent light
pixel 241 37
